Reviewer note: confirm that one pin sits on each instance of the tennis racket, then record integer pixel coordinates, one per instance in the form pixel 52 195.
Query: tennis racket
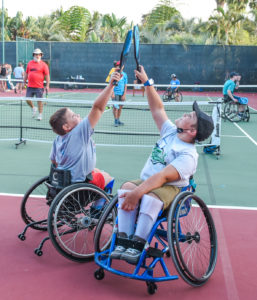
pixel 124 52
pixel 136 48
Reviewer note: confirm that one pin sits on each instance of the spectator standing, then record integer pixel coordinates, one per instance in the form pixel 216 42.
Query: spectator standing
pixel 18 74
pixel 36 71
pixel 119 95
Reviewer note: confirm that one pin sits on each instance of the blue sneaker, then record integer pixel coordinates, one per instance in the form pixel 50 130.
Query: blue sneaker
pixel 116 124
pixel 120 123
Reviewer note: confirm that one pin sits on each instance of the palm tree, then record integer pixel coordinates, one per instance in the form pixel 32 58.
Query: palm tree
pixel 75 22
pixel 112 27
pixel 220 3
pixel 49 30
pixel 160 14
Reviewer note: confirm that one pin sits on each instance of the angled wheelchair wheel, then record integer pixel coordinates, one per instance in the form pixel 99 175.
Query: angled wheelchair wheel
pixel 192 238
pixel 34 205
pixel 105 227
pixel 231 111
pixel 72 220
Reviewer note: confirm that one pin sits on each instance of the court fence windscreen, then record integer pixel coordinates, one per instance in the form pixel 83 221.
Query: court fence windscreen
pixel 16 122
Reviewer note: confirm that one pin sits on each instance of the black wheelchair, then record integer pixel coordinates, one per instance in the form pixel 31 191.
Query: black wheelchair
pixel 185 231
pixel 70 213
pixel 171 95
pixel 236 112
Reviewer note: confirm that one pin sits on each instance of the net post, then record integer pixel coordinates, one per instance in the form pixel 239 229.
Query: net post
pixel 21 140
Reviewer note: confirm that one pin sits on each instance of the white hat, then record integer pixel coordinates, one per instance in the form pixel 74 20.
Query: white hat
pixel 37 51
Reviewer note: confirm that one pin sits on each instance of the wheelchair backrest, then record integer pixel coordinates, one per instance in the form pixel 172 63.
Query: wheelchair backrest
pixel 58 178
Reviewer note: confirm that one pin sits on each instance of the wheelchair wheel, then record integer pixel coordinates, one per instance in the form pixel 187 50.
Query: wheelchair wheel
pixel 231 111
pixel 192 238
pixel 34 204
pixel 105 227
pixel 72 220
pixel 247 114
pixel 167 96
pixel 180 97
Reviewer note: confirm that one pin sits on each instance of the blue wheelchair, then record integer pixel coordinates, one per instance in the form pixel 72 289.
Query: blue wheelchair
pixel 68 211
pixel 185 231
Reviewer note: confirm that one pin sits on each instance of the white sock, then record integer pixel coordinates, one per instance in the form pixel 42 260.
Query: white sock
pixel 149 210
pixel 126 219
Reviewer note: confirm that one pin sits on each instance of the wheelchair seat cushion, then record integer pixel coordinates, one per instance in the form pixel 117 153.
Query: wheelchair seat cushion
pixel 98 180
pixel 166 193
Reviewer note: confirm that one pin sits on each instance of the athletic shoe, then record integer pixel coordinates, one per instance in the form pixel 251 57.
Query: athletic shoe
pixel 120 123
pixel 116 124
pixel 39 118
pixel 117 252
pixel 131 256
pixel 34 112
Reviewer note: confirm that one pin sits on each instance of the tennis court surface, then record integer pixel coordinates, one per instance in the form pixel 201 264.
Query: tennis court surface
pixel 226 184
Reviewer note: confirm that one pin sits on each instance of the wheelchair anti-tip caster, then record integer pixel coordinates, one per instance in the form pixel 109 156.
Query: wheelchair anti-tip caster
pixel 99 274
pixel 22 237
pixel 38 252
pixel 151 287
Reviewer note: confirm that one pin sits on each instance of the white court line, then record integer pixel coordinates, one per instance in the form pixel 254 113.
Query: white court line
pixel 234 136
pixel 211 206
pixel 249 137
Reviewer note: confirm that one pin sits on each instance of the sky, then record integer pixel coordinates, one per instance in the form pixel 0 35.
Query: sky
pixel 131 9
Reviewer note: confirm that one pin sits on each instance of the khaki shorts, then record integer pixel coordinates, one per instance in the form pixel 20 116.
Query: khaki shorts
pixel 166 193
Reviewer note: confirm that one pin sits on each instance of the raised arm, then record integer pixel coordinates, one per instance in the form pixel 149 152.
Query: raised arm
pixel 154 100
pixel 101 101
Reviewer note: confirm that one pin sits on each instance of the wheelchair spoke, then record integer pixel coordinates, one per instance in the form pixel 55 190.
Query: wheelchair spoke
pixel 34 205
pixel 193 240
pixel 73 218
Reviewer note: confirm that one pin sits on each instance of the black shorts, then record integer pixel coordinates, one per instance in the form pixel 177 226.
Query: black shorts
pixel 117 98
pixel 226 98
pixel 31 92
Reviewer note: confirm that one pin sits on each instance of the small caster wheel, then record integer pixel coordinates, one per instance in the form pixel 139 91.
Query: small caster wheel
pixel 168 253
pixel 22 237
pixel 151 288
pixel 99 274
pixel 38 252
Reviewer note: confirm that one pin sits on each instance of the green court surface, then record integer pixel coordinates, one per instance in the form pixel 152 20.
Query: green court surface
pixel 229 180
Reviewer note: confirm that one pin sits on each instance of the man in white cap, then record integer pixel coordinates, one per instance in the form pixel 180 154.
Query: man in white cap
pixel 36 72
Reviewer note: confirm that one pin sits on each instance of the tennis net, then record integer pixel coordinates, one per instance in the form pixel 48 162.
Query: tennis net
pixel 139 130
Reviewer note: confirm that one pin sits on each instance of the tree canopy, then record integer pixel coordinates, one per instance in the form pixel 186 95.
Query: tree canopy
pixel 233 22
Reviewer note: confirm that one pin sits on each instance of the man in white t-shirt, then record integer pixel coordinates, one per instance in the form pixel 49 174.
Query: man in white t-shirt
pixel 18 73
pixel 172 161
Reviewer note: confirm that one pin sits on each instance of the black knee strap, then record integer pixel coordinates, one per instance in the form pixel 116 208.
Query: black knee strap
pixel 127 243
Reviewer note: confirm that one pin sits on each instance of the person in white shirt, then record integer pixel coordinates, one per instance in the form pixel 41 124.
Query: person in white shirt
pixel 18 73
pixel 170 165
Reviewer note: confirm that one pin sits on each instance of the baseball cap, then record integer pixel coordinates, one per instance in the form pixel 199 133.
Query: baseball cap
pixel 173 75
pixel 117 63
pixel 205 124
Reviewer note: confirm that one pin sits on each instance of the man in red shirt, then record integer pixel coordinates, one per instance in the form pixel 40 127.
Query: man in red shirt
pixel 36 72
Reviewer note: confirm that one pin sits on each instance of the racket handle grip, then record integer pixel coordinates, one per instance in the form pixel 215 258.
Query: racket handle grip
pixel 139 70
pixel 115 82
